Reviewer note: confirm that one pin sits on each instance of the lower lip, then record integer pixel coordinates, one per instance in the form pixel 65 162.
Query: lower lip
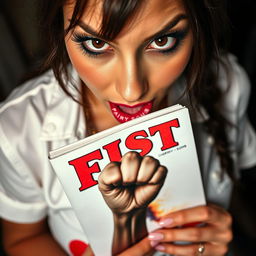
pixel 122 117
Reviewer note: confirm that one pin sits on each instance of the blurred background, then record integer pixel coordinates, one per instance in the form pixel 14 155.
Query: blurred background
pixel 22 48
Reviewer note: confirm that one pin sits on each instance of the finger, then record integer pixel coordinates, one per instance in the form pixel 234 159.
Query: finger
pixel 110 176
pixel 192 249
pixel 143 247
pixel 130 166
pixel 224 216
pixel 159 175
pixel 147 169
pixel 156 182
pixel 199 214
pixel 196 234
pixel 153 187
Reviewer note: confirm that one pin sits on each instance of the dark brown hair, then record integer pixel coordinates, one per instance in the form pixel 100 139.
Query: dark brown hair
pixel 207 20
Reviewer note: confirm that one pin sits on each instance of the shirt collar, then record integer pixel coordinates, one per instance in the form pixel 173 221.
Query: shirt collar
pixel 64 117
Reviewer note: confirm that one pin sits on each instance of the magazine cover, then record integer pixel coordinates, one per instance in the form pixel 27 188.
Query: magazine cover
pixel 99 198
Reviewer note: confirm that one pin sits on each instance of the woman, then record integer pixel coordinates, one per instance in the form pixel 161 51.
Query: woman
pixel 129 55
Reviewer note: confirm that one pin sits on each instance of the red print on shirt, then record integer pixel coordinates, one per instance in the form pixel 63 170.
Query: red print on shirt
pixel 77 247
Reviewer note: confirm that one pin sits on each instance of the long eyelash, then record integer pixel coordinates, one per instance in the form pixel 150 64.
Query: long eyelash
pixel 79 39
pixel 179 35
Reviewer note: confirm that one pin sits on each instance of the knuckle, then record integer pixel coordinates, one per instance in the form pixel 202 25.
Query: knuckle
pixel 161 174
pixel 229 236
pixel 100 180
pixel 172 236
pixel 223 249
pixel 192 250
pixel 195 234
pixel 163 169
pixel 113 165
pixel 110 166
pixel 131 155
pixel 181 218
pixel 229 219
pixel 206 213
pixel 150 160
pixel 174 250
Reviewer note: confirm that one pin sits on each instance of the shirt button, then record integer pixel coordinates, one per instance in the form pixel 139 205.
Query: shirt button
pixel 210 140
pixel 50 127
pixel 216 175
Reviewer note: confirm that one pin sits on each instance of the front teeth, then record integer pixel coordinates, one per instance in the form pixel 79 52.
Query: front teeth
pixel 130 110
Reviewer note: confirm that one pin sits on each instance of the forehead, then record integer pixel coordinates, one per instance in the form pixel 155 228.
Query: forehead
pixel 152 13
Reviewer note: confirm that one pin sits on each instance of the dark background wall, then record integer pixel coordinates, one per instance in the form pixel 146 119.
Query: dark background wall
pixel 243 44
pixel 21 47
pixel 243 21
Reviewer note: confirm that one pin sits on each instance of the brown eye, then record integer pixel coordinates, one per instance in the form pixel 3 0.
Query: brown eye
pixel 163 43
pixel 96 45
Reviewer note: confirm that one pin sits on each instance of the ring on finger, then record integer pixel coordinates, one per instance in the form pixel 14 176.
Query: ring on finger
pixel 201 249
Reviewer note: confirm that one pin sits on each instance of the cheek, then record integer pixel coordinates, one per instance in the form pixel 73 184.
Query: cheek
pixel 169 72
pixel 172 71
pixel 88 70
pixel 172 68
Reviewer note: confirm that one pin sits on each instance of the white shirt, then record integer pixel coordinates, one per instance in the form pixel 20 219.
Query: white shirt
pixel 38 117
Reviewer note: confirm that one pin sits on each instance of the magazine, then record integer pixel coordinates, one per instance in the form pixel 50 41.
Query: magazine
pixel 165 135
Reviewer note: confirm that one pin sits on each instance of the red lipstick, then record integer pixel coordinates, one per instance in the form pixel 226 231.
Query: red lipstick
pixel 124 113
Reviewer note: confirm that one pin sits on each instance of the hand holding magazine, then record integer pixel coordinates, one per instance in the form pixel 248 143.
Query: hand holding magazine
pixel 122 180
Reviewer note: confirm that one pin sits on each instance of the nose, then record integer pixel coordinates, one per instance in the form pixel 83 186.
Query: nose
pixel 132 83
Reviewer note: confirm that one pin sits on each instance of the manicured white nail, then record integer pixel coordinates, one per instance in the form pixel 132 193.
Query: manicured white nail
pixel 155 236
pixel 165 222
pixel 154 243
pixel 160 248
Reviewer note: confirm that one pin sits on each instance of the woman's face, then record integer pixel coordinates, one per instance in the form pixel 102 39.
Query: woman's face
pixel 129 76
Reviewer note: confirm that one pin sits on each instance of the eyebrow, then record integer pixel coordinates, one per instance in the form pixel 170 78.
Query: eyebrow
pixel 88 29
pixel 167 27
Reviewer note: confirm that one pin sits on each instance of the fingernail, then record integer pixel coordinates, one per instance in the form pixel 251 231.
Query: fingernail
pixel 154 243
pixel 155 236
pixel 165 222
pixel 160 248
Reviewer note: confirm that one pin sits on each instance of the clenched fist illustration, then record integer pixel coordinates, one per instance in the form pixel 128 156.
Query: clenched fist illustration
pixel 131 184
